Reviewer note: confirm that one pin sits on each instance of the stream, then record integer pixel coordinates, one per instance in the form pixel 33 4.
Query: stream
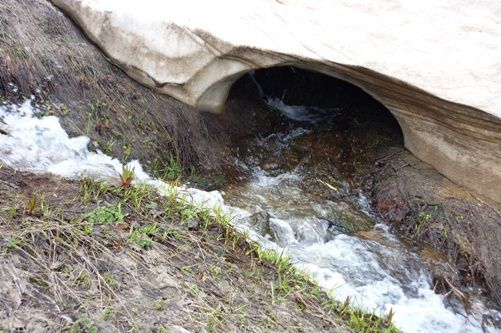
pixel 301 205
pixel 292 202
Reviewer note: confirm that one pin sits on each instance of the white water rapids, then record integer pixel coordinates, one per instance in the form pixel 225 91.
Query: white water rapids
pixel 379 275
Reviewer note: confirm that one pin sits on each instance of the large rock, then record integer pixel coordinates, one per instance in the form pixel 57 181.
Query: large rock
pixel 436 65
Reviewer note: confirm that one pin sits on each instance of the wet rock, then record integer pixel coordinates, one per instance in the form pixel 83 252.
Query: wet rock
pixel 282 232
pixel 260 222
pixel 343 218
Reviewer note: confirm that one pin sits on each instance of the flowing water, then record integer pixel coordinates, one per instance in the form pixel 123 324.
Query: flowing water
pixel 302 205
pixel 291 202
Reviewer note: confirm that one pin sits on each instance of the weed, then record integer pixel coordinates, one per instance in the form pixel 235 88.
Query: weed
pixel 111 214
pixel 88 123
pixel 423 219
pixel 187 270
pixel 127 150
pixel 64 110
pixel 108 314
pixel 216 272
pixel 127 176
pixel 98 106
pixel 170 171
pixel 92 190
pixel 143 235
pixel 13 244
pixel 170 234
pixel 38 281
pixel 31 205
pixel 108 147
pixel 18 50
pixel 84 325
pixel 159 305
pixel 37 205
pixel 193 289
pixel 138 195
pixel 215 318
pixel 110 281
pixel 83 279
pixel 12 211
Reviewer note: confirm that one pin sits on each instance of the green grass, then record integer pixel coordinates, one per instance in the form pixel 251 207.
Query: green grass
pixel 170 170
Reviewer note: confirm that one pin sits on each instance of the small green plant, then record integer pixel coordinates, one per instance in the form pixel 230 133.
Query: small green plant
pixel 92 190
pixel 13 244
pixel 216 272
pixel 12 211
pixel 37 205
pixel 18 50
pixel 83 279
pixel 127 151
pixel 187 270
pixel 108 314
pixel 64 110
pixel 423 219
pixel 138 195
pixel 31 205
pixel 110 281
pixel 83 325
pixel 159 305
pixel 170 234
pixel 172 170
pixel 193 289
pixel 127 177
pixel 110 214
pixel 143 235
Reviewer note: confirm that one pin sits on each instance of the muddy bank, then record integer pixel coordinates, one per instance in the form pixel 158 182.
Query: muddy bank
pixel 433 211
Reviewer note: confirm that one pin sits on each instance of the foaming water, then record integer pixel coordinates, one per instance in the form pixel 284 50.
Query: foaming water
pixel 283 211
pixel 377 272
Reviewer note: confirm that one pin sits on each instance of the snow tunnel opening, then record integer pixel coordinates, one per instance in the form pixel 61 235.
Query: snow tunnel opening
pixel 343 115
